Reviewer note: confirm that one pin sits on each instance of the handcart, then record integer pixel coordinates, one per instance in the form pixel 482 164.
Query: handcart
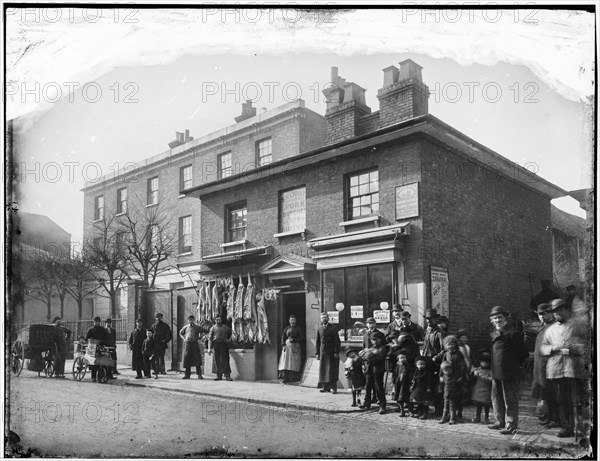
pixel 37 344
pixel 93 354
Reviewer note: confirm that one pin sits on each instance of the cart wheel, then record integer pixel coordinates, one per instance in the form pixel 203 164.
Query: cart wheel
pixel 102 374
pixel 17 357
pixel 79 368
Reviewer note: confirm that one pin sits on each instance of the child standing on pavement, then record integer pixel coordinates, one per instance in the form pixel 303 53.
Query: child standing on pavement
pixel 453 355
pixel 482 388
pixel 149 353
pixel 451 390
pixel 354 373
pixel 403 374
pixel 420 389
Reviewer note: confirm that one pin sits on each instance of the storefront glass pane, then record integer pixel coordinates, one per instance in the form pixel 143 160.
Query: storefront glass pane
pixel 333 288
pixel 356 295
pixel 380 287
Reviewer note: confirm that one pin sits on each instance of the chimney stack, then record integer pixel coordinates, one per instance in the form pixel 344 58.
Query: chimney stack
pixel 404 95
pixel 180 138
pixel 345 107
pixel 247 111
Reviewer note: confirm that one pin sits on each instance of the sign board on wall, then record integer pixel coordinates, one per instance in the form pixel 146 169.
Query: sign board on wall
pixel 293 210
pixel 407 201
pixel 381 316
pixel 440 299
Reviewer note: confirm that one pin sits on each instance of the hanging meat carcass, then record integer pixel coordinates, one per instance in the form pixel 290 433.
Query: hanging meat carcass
pixel 238 312
pixel 230 298
pixel 248 300
pixel 216 302
pixel 208 299
pixel 262 322
pixel 201 302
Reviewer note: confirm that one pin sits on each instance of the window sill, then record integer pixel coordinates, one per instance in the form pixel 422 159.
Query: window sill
pixel 98 220
pixel 181 196
pixel 233 244
pixel 151 204
pixel 185 253
pixel 122 213
pixel 374 219
pixel 291 233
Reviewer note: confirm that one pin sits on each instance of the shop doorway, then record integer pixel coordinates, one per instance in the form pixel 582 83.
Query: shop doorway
pixel 293 304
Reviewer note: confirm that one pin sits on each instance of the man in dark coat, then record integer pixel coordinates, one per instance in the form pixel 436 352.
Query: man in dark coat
pixel 190 334
pixel 545 295
pixel 63 334
pixel 136 342
pixel 367 344
pixel 219 337
pixel 162 334
pixel 396 324
pixel 433 350
pixel 416 330
pixel 328 349
pixel 111 341
pixel 508 353
pixel 98 334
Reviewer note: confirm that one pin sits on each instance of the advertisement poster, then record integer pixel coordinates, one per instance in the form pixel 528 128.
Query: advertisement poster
pixel 440 299
pixel 382 316
pixel 356 312
pixel 407 201
pixel 334 316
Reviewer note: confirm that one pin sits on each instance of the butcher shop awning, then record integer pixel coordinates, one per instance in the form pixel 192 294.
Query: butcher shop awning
pixel 237 255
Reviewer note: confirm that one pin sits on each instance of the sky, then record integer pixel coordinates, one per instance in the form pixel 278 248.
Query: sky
pixel 90 95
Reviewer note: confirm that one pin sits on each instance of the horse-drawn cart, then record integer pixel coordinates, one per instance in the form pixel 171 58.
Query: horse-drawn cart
pixel 37 344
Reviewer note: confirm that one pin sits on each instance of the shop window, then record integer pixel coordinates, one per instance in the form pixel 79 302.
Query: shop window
pixel 363 194
pixel 152 191
pixel 99 208
pixel 185 177
pixel 264 151
pixel 360 289
pixel 122 200
pixel 292 210
pixel 185 234
pixel 224 165
pixel 237 222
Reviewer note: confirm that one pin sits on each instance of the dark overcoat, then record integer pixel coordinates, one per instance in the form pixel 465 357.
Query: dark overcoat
pixel 136 342
pixel 508 353
pixel 328 344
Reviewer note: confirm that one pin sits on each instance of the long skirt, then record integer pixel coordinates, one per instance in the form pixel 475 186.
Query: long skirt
pixel 220 363
pixel 290 362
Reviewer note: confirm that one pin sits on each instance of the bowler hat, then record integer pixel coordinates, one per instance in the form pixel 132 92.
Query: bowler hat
pixel 108 320
pixel 158 315
pixel 349 349
pixel 556 303
pixel 97 319
pixel 498 310
pixel 405 314
pixel 431 314
pixel 370 320
pixel 543 308
pixel 397 307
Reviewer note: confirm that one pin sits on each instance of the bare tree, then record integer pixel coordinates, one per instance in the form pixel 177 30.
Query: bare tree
pixel 74 276
pixel 149 234
pixel 107 258
pixel 38 278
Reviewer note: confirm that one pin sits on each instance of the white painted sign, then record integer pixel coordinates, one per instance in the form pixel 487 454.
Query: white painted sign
pixel 356 312
pixel 334 316
pixel 381 316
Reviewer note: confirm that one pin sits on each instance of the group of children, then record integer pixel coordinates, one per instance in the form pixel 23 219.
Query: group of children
pixel 417 379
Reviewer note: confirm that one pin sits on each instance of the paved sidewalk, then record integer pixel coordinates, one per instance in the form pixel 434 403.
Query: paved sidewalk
pixel 298 398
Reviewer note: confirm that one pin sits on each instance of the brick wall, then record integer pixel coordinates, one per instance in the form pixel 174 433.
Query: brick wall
pixel 490 232
pixel 401 101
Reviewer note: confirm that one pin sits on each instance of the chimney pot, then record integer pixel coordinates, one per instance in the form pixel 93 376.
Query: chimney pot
pixel 410 69
pixel 390 76
pixel 353 92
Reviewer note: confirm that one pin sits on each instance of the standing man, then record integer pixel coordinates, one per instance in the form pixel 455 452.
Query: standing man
pixel 190 334
pixel 62 338
pixel 545 295
pixel 416 330
pixel 98 335
pixel 328 349
pixel 541 388
pixel 433 350
pixel 111 341
pixel 136 343
pixel 508 353
pixel 371 395
pixel 565 349
pixel 218 340
pixel 162 335
pixel 395 324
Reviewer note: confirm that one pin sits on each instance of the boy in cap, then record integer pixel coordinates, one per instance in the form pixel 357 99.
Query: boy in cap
pixel 565 349
pixel 420 388
pixel 403 374
pixel 375 370
pixel 395 324
pixel 433 349
pixel 508 353
pixel 354 373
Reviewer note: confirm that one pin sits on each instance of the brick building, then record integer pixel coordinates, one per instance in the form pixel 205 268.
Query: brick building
pixel 352 212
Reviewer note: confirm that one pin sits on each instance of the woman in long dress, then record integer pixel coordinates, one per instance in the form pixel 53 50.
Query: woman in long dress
pixel 291 355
